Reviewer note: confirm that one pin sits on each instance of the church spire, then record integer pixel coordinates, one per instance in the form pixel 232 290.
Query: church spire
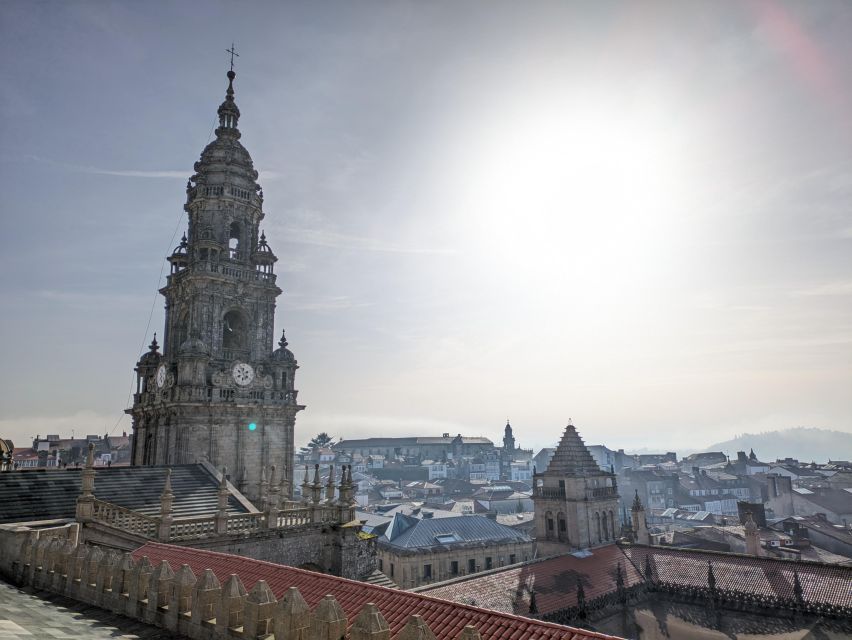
pixel 229 113
pixel 572 457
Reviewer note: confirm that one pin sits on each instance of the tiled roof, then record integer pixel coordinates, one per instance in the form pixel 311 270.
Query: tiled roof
pixel 554 580
pixel 445 619
pixel 572 457
pixel 765 576
pixel 410 442
pixel 837 500
pixel 410 533
pixel 52 493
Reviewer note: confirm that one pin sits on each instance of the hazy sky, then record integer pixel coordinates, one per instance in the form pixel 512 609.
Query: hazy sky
pixel 635 215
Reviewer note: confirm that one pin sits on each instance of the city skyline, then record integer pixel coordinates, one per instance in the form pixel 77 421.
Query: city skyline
pixel 635 220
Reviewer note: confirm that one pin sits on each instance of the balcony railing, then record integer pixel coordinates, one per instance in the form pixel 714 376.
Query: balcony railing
pixel 549 492
pixel 604 492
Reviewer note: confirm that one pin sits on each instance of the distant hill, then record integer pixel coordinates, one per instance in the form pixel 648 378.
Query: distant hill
pixel 806 445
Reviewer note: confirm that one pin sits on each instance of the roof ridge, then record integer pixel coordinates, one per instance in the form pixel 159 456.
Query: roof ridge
pixel 733 554
pixel 369 586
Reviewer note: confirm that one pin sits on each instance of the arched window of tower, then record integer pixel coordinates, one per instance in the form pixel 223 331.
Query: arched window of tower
pixel 234 241
pixel 234 335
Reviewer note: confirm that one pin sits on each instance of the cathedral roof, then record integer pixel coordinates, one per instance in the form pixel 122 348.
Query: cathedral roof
pixel 555 579
pixel 572 457
pixel 41 494
pixel 445 619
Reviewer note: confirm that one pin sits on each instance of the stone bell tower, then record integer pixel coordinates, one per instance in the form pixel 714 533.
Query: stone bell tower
pixel 218 390
pixel 576 501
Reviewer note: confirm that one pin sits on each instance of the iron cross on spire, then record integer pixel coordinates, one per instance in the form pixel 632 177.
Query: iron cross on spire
pixel 233 53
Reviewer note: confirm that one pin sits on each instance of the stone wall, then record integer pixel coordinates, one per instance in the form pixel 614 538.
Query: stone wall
pixel 406 568
pixel 191 605
pixel 334 549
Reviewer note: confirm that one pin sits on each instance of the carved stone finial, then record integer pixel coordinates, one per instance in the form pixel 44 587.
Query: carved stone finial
pixel 416 629
pixel 370 624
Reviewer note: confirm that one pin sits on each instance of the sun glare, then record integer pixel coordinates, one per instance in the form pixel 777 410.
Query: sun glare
pixel 572 199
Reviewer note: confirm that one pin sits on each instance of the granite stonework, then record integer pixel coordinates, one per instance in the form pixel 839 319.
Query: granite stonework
pixel 218 391
pixel 192 597
pixel 576 502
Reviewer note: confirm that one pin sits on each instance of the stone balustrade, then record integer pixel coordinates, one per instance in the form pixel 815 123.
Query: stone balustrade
pixel 200 527
pixel 198 606
pixel 125 519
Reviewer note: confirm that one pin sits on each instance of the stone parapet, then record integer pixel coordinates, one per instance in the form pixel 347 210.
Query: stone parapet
pixel 198 606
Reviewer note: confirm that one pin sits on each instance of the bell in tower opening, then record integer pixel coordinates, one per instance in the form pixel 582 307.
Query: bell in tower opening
pixel 217 372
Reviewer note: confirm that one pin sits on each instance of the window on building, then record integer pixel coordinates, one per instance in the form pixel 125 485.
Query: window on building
pixel 381 565
pixel 488 563
pixel 234 331
pixel 427 571
pixel 471 565
pixel 454 568
pixel 512 558
pixel 550 524
pixel 391 573
pixel 234 240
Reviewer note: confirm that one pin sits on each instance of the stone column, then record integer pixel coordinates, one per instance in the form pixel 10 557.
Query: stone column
pixel 306 487
pixel 222 504
pixel 271 504
pixel 329 487
pixel 259 615
pixel 369 624
pixel 205 602
pixel 166 501
pixel 283 488
pixel 180 598
pixel 105 581
pixel 231 606
pixel 121 583
pixel 138 587
pixel 86 500
pixel 160 586
pixel 293 616
pixel 316 487
pixel 264 489
pixel 329 621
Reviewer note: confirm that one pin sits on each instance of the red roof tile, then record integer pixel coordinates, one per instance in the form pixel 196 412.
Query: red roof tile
pixel 445 618
pixel 553 579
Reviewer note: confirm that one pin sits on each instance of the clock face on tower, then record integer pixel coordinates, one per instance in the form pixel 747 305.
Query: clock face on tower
pixel 161 376
pixel 243 373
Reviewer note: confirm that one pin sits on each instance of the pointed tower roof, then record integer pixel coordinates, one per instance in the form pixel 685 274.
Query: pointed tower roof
pixel 572 457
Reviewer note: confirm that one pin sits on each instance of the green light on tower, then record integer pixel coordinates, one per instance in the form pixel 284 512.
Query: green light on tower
pixel 252 426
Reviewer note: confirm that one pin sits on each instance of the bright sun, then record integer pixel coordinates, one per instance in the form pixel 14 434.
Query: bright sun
pixel 581 198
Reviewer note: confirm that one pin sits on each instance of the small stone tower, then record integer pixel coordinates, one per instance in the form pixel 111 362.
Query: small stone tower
pixel 752 536
pixel 575 500
pixel 640 525
pixel 218 390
